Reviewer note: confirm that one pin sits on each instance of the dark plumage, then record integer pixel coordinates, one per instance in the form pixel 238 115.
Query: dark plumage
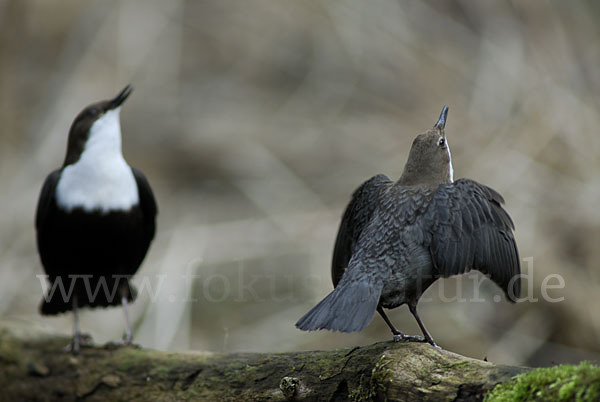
pixel 95 218
pixel 396 239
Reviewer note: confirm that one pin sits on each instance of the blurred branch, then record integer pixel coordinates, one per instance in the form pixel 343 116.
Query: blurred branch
pixel 34 367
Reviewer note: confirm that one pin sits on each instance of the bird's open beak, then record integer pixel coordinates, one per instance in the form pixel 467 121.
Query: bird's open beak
pixel 441 123
pixel 120 98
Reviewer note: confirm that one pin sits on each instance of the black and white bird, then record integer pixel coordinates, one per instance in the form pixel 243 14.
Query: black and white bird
pixel 96 217
pixel 396 239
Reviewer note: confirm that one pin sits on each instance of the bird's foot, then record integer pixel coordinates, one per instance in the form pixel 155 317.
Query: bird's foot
pixel 435 345
pixel 79 341
pixel 430 341
pixel 402 337
pixel 125 341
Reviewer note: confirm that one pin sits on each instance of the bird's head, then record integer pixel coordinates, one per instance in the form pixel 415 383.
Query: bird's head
pixel 98 123
pixel 429 161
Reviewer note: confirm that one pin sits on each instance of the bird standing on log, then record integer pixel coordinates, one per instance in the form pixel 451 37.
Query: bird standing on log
pixel 396 239
pixel 95 219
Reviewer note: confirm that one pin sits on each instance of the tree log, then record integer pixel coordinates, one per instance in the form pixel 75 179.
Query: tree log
pixel 34 367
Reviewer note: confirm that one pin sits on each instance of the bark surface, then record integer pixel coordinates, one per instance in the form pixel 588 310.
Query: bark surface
pixel 34 367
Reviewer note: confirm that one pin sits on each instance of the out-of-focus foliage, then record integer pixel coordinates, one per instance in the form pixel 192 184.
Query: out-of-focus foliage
pixel 254 122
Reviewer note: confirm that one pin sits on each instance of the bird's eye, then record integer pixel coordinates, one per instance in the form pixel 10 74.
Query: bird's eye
pixel 442 142
pixel 94 111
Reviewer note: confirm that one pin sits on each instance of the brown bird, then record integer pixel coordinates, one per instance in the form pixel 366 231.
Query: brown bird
pixel 397 238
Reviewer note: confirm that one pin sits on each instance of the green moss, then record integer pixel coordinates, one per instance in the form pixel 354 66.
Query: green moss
pixel 9 352
pixel 459 364
pixel 362 393
pixel 381 377
pixel 560 383
pixel 326 363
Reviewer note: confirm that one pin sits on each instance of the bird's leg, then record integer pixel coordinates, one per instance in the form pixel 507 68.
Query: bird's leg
pixel 398 335
pixel 413 309
pixel 128 337
pixel 74 345
pixel 79 339
pixel 388 322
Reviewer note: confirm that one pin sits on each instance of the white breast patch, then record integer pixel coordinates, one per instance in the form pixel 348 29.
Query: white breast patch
pixel 450 162
pixel 100 179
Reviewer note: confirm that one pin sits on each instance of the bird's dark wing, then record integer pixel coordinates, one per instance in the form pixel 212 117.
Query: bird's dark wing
pixel 378 233
pixel 471 230
pixel 45 223
pixel 147 205
pixel 47 199
pixel 358 213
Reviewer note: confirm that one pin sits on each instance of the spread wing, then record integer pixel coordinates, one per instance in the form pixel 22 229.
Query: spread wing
pixel 471 230
pixel 358 213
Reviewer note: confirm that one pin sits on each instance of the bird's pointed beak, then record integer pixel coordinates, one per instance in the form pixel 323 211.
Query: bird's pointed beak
pixel 441 123
pixel 120 98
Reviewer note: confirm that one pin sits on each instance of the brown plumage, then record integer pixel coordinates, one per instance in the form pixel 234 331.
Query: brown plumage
pixel 396 239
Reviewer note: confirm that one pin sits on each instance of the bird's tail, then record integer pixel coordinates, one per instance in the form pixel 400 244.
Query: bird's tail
pixel 348 308
pixel 97 293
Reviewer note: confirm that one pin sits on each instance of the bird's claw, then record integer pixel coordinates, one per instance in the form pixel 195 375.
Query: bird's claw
pixel 78 341
pixel 401 337
pixel 127 339
pixel 430 341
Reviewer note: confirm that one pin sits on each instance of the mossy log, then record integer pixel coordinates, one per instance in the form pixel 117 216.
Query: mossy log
pixel 34 367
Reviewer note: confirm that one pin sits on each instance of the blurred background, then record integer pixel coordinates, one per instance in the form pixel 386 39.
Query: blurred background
pixel 255 121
